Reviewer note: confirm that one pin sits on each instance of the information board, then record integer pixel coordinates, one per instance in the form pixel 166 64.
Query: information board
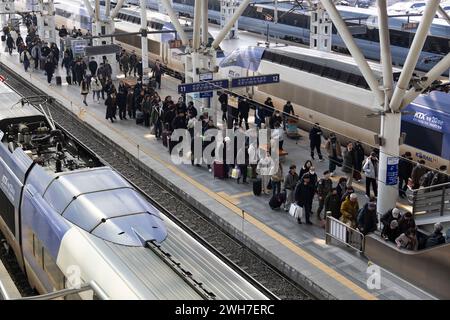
pixel 392 171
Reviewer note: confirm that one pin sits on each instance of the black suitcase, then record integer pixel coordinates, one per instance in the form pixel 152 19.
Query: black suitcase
pixel 58 80
pixel 3 38
pixel 69 80
pixel 139 117
pixel 257 187
pixel 277 200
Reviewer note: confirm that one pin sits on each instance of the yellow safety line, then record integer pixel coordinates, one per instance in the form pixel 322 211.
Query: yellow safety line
pixel 243 194
pixel 248 217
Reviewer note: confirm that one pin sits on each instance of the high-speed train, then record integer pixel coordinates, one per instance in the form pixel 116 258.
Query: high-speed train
pixel 329 88
pixel 71 221
pixel 293 25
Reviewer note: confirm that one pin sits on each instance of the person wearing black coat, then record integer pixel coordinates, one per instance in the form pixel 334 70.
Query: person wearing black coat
pixel 10 44
pixel 78 70
pixel 191 109
pixel 315 139
pixel 368 221
pixel 333 204
pixel 122 104
pixel 49 69
pixel 359 156
pixel 243 109
pixel 304 194
pixel 93 66
pixel 223 99
pixel 111 106
pixel 405 167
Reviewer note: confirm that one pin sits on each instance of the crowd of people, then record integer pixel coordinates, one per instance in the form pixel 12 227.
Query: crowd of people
pixel 143 103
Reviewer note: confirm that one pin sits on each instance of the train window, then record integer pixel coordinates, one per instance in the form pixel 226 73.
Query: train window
pixel 7 212
pixel 316 69
pixel 423 138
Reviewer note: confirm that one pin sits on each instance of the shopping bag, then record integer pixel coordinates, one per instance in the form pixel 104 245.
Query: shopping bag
pixel 235 173
pixel 296 211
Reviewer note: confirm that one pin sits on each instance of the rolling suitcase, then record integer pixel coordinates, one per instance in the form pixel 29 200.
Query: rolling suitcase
pixel 139 117
pixel 69 80
pixel 219 170
pixel 277 200
pixel 58 80
pixel 257 187
pixel 3 38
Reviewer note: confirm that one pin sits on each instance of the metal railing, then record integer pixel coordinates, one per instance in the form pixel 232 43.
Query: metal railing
pixel 339 231
pixel 97 291
pixel 430 201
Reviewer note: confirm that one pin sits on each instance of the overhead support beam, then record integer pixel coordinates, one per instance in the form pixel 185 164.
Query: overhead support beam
pixel 385 49
pixel 444 14
pixel 116 10
pixel 205 31
pixel 88 7
pixel 144 42
pixel 414 54
pixel 223 33
pixel 430 76
pixel 97 10
pixel 175 22
pixel 354 49
pixel 107 8
pixel 197 24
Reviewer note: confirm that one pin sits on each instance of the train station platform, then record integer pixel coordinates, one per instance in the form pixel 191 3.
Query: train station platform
pixel 299 251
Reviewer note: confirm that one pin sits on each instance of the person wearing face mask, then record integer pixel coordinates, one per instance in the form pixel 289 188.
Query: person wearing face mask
pixel 370 169
pixel 315 139
pixel 287 111
pixel 304 194
pixel 324 186
pixel 305 168
pixel 341 186
pixel 312 176
pixel 276 118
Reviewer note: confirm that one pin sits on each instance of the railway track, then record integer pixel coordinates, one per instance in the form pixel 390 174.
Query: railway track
pixel 191 219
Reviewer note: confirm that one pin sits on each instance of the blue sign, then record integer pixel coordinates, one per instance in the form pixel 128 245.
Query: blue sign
pixel 207 94
pixel 392 171
pixel 255 80
pixel 203 86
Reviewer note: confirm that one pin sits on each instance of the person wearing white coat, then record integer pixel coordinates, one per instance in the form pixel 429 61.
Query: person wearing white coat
pixel 370 169
pixel 96 87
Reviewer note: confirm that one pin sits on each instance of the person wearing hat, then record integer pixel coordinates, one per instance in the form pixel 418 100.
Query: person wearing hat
pixel 349 210
pixel 436 238
pixel 387 218
pixel 367 218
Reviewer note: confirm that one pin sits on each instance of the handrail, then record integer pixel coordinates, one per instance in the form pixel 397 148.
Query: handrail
pixel 436 200
pixel 339 231
pixel 62 293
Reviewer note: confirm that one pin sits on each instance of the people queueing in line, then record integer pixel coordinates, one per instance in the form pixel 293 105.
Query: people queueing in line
pixel 340 202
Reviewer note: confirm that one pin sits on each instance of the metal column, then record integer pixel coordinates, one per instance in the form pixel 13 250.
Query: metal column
pixel 144 41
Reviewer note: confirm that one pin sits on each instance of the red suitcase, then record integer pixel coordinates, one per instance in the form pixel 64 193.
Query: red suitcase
pixel 219 170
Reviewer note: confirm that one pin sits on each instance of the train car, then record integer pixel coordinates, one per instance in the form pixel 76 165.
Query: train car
pixel 329 88
pixel 72 221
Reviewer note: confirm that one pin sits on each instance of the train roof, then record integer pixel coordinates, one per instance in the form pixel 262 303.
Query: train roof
pixel 435 100
pixel 11 108
pixel 439 27
pixel 101 202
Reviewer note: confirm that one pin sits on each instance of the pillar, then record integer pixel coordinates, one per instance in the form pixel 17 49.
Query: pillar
pixel 227 10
